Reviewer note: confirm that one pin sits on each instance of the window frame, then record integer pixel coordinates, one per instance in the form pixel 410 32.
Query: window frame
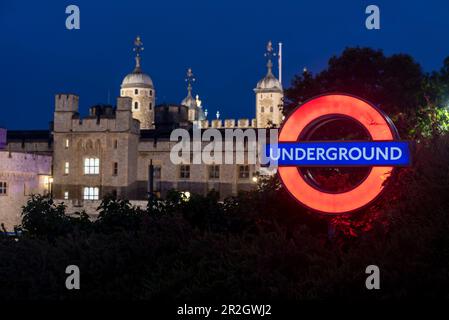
pixel 91 169
pixel 66 168
pixel 157 169
pixel 213 170
pixel 184 171
pixel 242 173
pixel 4 186
pixel 92 194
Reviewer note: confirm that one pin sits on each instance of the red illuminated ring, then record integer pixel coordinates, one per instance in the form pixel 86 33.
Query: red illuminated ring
pixel 369 117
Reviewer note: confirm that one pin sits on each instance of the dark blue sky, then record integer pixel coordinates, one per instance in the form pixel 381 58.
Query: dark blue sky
pixel 223 41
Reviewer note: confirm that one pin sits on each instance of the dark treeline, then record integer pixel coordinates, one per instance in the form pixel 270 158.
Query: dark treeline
pixel 257 245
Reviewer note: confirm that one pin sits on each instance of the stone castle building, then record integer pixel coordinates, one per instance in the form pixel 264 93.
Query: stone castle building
pixel 109 151
pixel 21 175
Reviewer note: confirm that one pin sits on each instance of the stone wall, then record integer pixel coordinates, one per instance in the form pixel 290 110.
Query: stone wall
pixel 24 174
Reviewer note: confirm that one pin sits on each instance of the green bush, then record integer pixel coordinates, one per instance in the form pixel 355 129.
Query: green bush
pixel 257 245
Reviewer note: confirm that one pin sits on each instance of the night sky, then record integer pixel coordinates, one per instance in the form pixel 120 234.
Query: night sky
pixel 223 42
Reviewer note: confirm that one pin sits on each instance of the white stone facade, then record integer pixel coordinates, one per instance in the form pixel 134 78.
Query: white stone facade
pixel 21 175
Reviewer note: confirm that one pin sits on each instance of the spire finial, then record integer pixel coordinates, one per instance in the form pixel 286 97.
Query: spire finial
pixel 138 48
pixel 189 79
pixel 269 54
pixel 198 101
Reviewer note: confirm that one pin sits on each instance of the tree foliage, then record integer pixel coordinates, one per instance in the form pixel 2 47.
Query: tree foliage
pixel 396 84
pixel 259 244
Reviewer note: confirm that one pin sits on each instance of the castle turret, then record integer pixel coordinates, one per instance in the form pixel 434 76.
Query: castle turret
pixel 196 114
pixel 139 86
pixel 66 107
pixel 269 95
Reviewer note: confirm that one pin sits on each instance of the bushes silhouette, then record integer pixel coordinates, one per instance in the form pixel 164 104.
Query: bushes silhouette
pixel 257 245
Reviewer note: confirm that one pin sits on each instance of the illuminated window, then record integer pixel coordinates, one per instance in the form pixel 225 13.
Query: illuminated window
pixel 66 143
pixel 3 188
pixel 91 166
pixel 66 195
pixel 184 172
pixel 66 168
pixel 91 193
pixel 243 172
pixel 115 168
pixel 214 172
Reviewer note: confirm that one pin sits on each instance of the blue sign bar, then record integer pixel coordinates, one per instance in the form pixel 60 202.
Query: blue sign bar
pixel 339 153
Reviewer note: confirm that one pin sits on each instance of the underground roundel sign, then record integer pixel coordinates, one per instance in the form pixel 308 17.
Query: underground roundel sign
pixel 380 153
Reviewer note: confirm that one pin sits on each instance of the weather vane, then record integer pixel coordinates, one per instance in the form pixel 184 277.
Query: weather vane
pixel 270 53
pixel 138 46
pixel 190 79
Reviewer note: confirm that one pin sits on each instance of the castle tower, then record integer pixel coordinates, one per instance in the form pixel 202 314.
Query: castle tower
pixel 139 86
pixel 269 95
pixel 195 112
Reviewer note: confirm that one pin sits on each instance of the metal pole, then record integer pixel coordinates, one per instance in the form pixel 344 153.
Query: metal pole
pixel 280 62
pixel 150 180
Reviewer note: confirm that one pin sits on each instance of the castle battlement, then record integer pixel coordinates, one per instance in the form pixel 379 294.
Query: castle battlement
pixel 66 102
pixel 228 123
pixel 100 118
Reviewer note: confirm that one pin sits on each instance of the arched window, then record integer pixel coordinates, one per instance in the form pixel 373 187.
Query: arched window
pixel 136 105
pixel 91 193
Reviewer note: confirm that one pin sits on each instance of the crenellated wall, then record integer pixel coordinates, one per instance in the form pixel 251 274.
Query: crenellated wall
pixel 228 123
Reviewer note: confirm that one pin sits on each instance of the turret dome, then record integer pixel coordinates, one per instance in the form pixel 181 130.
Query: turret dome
pixel 137 80
pixel 269 82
